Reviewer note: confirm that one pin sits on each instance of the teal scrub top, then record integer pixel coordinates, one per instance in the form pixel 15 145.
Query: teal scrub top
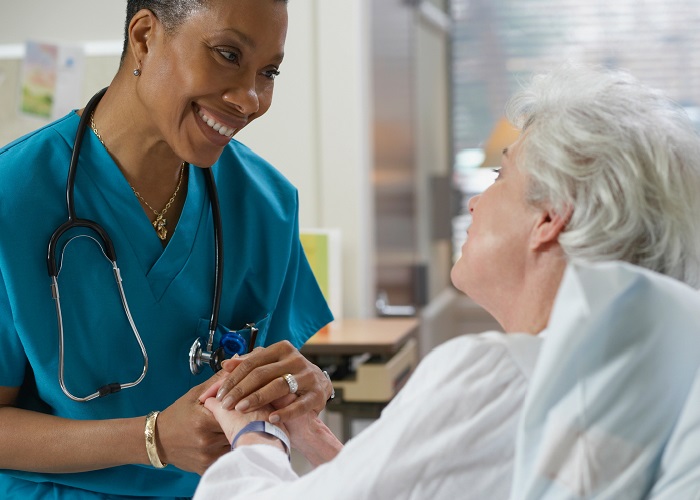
pixel 267 281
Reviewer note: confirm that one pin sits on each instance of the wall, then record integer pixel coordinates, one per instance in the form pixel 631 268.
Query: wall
pixel 316 133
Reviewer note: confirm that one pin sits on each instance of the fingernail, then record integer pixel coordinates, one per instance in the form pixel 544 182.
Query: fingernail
pixel 243 405
pixel 274 419
pixel 220 392
pixel 227 403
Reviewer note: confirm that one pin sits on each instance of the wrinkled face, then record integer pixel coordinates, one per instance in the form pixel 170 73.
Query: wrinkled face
pixel 494 255
pixel 214 75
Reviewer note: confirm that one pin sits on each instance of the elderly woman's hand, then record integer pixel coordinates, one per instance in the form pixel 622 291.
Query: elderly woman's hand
pixel 310 436
pixel 232 422
pixel 257 379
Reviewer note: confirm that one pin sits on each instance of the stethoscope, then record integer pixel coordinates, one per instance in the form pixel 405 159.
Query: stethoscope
pixel 198 357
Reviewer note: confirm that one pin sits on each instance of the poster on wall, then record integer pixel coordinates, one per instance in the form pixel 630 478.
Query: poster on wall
pixel 322 248
pixel 52 79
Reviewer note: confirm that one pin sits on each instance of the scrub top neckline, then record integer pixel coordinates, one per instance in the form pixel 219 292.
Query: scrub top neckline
pixel 159 265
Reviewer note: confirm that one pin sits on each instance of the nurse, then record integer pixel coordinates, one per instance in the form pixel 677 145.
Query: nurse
pixel 193 74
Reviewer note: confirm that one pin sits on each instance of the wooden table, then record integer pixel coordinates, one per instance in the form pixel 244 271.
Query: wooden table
pixel 381 336
pixel 386 346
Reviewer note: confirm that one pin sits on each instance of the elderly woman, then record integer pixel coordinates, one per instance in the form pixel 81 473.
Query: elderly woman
pixel 193 74
pixel 605 170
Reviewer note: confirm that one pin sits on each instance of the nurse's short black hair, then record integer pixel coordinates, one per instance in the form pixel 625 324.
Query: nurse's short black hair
pixel 171 13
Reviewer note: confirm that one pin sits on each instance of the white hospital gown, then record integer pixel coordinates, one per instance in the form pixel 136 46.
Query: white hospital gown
pixel 448 434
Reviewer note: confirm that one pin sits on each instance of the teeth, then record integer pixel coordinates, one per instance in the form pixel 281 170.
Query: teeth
pixel 220 128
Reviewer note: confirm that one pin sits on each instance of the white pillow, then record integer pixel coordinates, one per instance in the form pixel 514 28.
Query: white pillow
pixel 615 372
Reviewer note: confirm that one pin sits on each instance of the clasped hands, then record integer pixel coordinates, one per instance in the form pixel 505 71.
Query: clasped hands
pixel 189 436
pixel 257 379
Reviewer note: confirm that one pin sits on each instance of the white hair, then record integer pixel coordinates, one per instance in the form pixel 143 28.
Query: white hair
pixel 623 157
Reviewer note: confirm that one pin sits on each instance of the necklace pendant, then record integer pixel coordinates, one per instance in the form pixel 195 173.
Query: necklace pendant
pixel 159 225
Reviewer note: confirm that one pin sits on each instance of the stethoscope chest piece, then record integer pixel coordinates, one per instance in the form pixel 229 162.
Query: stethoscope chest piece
pixel 199 357
pixel 232 343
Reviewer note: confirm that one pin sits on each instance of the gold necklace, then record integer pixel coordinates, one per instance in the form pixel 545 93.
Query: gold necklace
pixel 160 224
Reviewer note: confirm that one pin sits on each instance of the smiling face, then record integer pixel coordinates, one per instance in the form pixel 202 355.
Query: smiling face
pixel 212 75
pixel 495 254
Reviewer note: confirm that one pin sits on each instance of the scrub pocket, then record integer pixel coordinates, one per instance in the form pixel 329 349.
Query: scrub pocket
pixel 238 339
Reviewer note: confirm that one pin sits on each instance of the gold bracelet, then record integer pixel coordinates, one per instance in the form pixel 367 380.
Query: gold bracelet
pixel 151 447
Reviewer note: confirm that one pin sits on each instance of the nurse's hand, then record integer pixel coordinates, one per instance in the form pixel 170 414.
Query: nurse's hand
pixel 188 435
pixel 257 379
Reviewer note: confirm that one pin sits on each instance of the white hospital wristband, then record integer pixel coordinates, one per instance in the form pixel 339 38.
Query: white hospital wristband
pixel 265 428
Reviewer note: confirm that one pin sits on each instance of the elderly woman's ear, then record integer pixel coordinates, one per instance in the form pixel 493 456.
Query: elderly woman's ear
pixel 548 228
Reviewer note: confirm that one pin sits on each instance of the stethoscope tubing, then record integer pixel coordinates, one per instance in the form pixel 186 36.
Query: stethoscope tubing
pixel 74 221
pixel 108 388
pixel 109 252
pixel 219 256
